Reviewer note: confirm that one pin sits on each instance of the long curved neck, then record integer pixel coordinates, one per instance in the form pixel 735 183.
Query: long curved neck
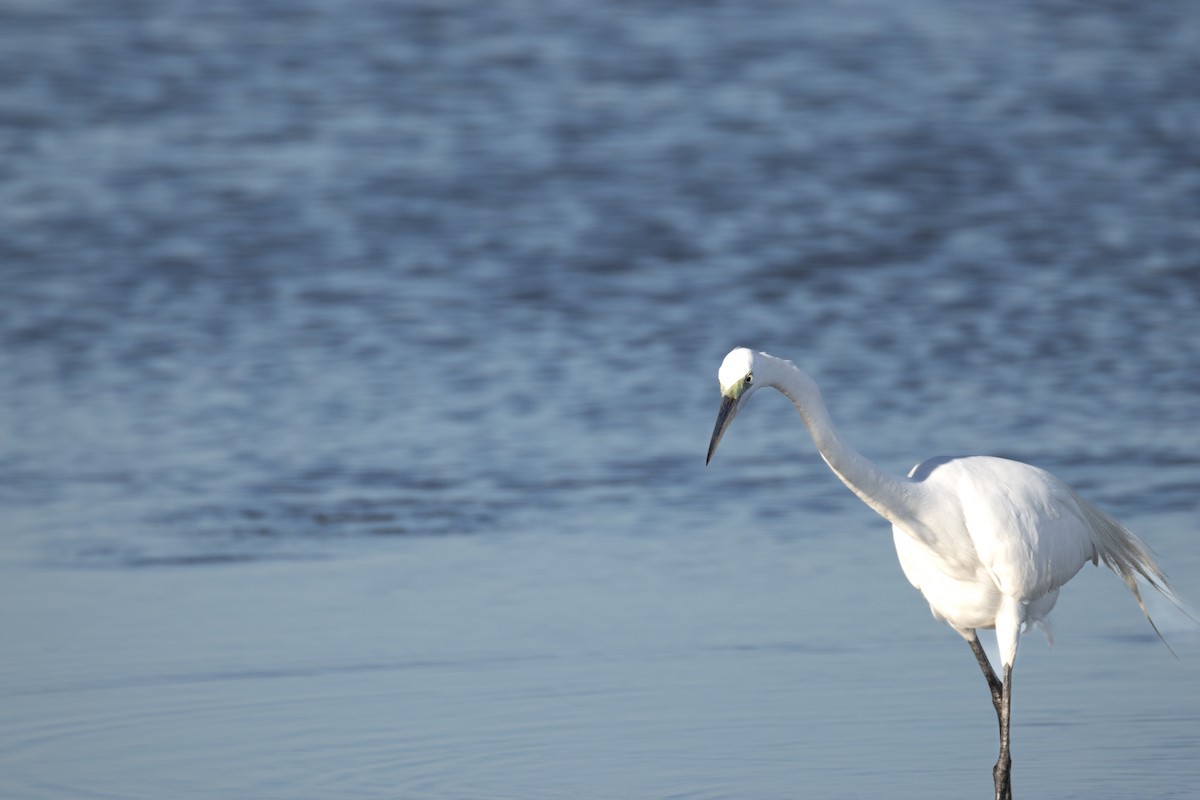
pixel 895 499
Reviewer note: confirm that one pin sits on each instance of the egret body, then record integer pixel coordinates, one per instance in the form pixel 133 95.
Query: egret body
pixel 987 541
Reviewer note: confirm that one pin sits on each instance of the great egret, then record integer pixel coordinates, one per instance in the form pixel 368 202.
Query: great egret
pixel 986 540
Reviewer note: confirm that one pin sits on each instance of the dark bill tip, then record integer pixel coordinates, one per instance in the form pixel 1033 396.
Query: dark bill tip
pixel 724 416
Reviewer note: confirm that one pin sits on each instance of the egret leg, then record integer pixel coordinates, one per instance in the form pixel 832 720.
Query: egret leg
pixel 1002 703
pixel 989 674
pixel 1003 770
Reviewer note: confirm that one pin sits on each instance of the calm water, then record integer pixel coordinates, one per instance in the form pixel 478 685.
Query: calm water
pixel 357 364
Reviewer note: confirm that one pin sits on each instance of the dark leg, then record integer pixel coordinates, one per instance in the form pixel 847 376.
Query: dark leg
pixel 1002 772
pixel 988 673
pixel 1001 702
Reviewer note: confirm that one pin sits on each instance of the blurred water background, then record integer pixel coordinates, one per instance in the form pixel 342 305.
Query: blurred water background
pixel 357 364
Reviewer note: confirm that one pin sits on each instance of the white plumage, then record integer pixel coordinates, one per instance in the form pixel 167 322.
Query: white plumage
pixel 988 541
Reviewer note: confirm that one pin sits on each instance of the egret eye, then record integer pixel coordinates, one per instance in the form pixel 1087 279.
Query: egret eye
pixel 749 378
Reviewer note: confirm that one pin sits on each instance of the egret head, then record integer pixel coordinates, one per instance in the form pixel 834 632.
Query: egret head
pixel 736 377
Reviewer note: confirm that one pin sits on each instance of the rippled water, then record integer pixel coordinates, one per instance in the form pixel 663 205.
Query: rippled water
pixel 357 366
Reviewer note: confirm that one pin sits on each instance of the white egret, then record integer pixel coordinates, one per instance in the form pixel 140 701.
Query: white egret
pixel 986 540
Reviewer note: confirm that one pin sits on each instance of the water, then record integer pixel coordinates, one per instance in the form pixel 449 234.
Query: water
pixel 357 364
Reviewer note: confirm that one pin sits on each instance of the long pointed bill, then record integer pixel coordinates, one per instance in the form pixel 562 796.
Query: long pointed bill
pixel 724 416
